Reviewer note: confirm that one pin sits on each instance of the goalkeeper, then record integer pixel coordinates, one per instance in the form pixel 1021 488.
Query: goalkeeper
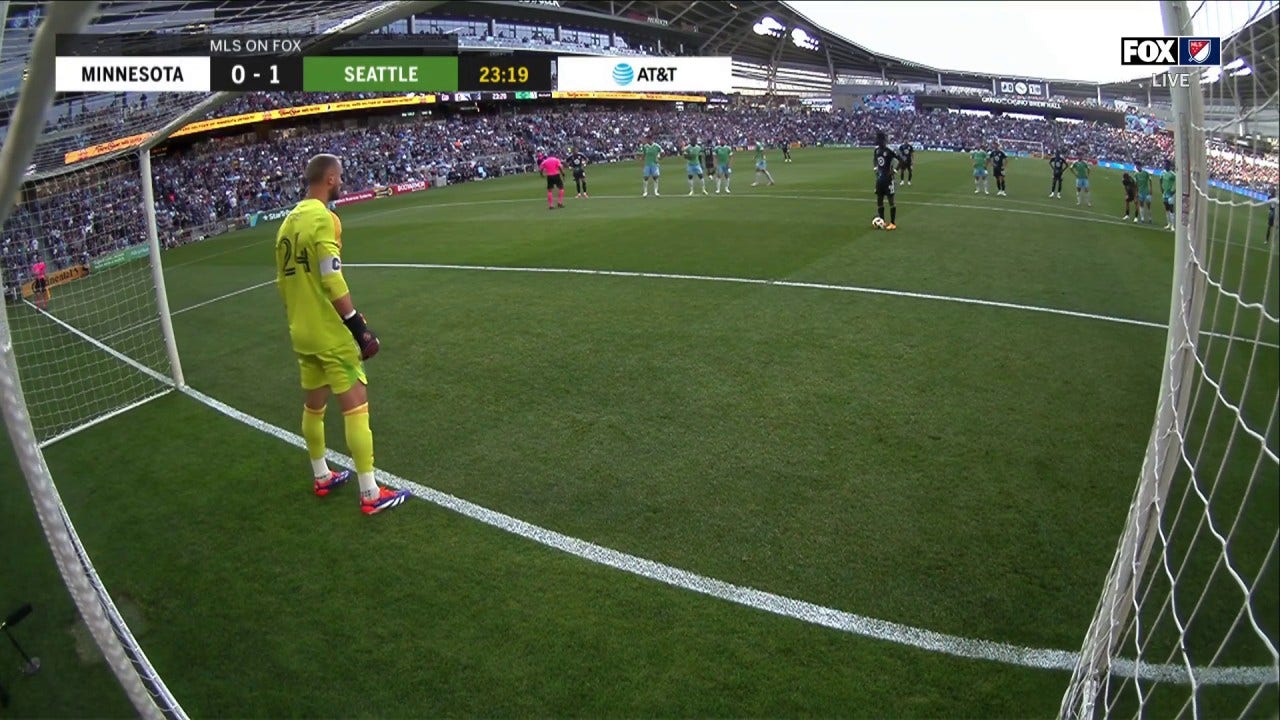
pixel 330 338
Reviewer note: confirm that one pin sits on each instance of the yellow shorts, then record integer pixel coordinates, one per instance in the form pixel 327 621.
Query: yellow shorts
pixel 339 369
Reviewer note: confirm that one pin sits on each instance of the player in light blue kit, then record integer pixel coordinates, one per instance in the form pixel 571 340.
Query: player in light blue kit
pixel 693 158
pixel 652 152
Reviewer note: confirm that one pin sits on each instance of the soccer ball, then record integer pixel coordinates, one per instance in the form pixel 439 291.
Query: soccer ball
pixel 877 222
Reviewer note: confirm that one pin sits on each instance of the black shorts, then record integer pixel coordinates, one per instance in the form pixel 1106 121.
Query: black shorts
pixel 1130 197
pixel 884 186
pixel 579 173
pixel 997 171
pixel 40 285
pixel 904 163
pixel 555 181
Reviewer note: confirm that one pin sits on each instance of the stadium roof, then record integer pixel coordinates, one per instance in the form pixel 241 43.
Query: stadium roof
pixel 766 32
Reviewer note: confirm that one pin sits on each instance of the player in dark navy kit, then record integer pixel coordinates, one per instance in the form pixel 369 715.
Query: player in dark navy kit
pixel 709 158
pixel 905 152
pixel 1271 216
pixel 578 163
pixel 998 159
pixel 1130 194
pixel 786 150
pixel 1058 165
pixel 884 158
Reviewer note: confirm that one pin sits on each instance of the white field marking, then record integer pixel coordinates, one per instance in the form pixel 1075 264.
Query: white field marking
pixel 146 671
pixel 358 219
pixel 809 286
pixel 189 308
pixel 745 596
pixel 759 599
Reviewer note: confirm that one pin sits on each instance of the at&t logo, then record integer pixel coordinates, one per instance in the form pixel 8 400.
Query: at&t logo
pixel 624 74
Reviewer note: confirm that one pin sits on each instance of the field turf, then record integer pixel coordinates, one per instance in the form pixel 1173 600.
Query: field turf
pixel 911 456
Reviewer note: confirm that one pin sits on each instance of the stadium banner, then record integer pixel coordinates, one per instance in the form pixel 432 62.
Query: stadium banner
pixel 267 215
pixel 249 118
pixel 666 74
pixel 409 187
pixel 119 257
pixel 1007 101
pixel 383 191
pixel 61 277
pixel 1023 88
pixel 926 102
pixel 615 95
pixel 354 198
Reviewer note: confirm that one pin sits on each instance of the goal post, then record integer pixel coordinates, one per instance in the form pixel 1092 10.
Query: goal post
pixel 26 122
pixel 1023 148
pixel 1193 582
pixel 157 268
pixel 99 341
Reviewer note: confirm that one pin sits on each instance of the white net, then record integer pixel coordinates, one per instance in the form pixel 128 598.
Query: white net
pixel 1025 148
pixel 1188 621
pixel 86 342
pixel 87 229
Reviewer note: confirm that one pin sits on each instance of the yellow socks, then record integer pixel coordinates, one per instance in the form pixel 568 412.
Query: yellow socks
pixel 360 445
pixel 313 433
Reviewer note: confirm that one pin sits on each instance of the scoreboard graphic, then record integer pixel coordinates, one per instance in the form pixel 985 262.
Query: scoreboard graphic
pixel 240 63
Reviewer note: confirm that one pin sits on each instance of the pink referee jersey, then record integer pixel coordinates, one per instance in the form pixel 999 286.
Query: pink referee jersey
pixel 551 165
pixel 38 269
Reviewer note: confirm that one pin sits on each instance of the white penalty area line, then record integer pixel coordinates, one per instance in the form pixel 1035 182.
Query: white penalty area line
pixel 748 597
pixel 809 286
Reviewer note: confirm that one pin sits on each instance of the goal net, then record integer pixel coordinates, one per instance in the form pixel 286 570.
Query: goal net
pixel 1022 148
pixel 85 329
pixel 1186 625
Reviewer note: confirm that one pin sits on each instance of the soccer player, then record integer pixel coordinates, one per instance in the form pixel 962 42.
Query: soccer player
pixel 1168 184
pixel 998 159
pixel 1271 216
pixel 883 159
pixel 652 152
pixel 786 151
pixel 709 159
pixel 693 160
pixel 578 162
pixel 979 171
pixel 329 337
pixel 1058 165
pixel 1081 170
pixel 762 165
pixel 1142 179
pixel 1130 196
pixel 724 163
pixel 40 285
pixel 905 152
pixel 553 170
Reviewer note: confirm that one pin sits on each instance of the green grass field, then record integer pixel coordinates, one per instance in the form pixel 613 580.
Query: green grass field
pixel 911 456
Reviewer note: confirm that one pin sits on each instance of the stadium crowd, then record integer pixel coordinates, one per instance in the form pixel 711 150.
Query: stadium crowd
pixel 71 221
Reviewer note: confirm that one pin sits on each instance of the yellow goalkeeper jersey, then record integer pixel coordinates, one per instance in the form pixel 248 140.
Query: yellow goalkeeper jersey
pixel 309 277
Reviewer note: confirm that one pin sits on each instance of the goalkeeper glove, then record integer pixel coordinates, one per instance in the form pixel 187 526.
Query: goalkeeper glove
pixel 364 337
